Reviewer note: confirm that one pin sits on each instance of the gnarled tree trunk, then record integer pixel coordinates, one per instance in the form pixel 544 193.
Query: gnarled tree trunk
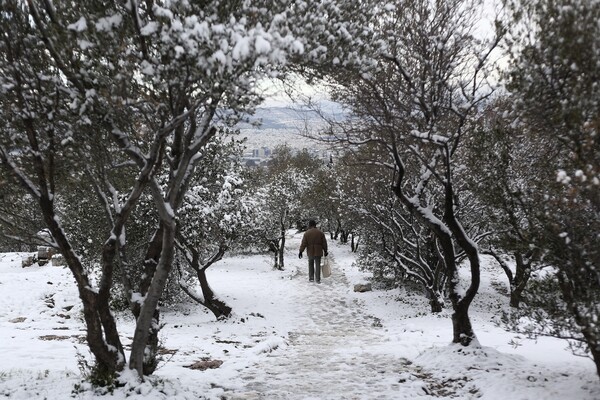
pixel 445 231
pixel 218 307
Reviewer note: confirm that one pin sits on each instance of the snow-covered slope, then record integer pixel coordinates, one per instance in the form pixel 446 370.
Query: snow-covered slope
pixel 288 339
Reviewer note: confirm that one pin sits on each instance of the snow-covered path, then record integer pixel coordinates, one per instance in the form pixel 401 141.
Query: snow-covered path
pixel 332 347
pixel 335 352
pixel 338 350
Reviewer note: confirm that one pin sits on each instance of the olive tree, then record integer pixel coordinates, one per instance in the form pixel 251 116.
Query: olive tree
pixel 503 162
pixel 213 216
pixel 107 95
pixel 278 195
pixel 414 98
pixel 553 80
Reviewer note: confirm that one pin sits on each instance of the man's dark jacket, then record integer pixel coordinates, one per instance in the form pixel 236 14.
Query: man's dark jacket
pixel 314 242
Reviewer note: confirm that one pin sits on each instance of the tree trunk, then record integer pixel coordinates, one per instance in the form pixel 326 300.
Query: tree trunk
pixel 216 306
pixel 518 281
pixel 435 300
pixel 282 230
pixel 102 335
pixel 343 236
pixel 274 248
pixel 594 349
pixel 463 330
pixel 515 298
pixel 145 340
pixel 438 281
pixel 338 229
pixel 585 320
pixel 594 346
pixel 353 244
pixel 522 275
pixel 280 253
pixel 461 323
pixel 151 261
pixel 445 232
pixel 208 300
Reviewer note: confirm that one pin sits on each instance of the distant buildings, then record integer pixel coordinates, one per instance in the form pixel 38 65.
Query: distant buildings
pixel 297 128
pixel 260 157
pixel 263 152
pixel 257 157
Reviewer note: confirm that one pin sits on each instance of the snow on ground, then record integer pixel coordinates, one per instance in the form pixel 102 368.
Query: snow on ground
pixel 288 339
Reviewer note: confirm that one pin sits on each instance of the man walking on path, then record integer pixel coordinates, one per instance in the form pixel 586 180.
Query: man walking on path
pixel 315 243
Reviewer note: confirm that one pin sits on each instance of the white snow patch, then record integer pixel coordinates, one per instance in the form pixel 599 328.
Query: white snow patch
pixel 79 26
pixel 106 24
pixel 268 345
pixel 150 28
